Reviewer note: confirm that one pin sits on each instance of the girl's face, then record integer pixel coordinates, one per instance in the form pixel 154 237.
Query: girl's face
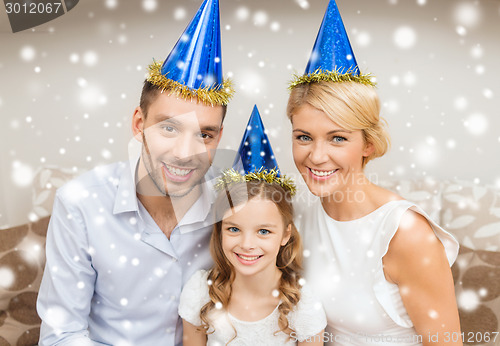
pixel 329 158
pixel 252 235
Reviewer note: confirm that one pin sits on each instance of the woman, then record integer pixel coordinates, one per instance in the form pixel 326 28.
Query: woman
pixel 379 264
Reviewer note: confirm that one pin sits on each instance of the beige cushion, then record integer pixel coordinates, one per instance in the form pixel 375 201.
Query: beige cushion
pixel 22 259
pixel 471 212
pixel 477 288
pixel 426 193
pixel 47 180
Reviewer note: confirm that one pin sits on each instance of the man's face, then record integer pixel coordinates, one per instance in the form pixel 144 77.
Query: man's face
pixel 179 139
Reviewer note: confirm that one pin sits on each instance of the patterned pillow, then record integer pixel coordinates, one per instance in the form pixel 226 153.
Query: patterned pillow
pixel 471 212
pixel 477 287
pixel 47 180
pixel 22 259
pixel 426 193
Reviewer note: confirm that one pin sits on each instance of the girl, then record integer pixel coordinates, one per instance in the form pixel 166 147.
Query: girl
pixel 253 294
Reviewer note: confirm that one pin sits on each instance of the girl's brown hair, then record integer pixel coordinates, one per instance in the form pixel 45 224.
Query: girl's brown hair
pixel 288 260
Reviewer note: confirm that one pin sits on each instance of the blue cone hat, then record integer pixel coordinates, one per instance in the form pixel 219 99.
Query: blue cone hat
pixel 332 58
pixel 255 160
pixel 194 66
pixel 332 49
pixel 255 152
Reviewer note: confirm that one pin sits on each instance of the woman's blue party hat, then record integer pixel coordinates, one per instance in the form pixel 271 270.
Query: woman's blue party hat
pixel 332 49
pixel 194 66
pixel 332 58
pixel 255 160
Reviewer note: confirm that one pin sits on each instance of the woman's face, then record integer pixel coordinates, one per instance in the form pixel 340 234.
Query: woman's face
pixel 329 158
pixel 252 235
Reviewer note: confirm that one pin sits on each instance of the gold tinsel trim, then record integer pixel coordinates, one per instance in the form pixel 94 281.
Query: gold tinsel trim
pixel 230 176
pixel 332 76
pixel 220 95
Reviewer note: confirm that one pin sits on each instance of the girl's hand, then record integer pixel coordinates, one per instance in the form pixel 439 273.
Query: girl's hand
pixel 191 336
pixel 417 263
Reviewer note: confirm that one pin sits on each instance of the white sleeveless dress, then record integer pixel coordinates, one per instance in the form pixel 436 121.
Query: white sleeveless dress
pixel 343 266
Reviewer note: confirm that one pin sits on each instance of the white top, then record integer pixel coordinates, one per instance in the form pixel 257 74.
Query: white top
pixel 343 265
pixel 112 277
pixel 306 319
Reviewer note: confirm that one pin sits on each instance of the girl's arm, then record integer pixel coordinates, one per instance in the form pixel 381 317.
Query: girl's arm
pixel 316 340
pixel 417 263
pixel 191 336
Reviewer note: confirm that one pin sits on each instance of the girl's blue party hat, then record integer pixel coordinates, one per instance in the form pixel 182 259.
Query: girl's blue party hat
pixel 255 160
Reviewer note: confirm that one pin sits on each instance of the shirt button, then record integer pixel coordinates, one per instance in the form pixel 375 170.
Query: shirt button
pixel 170 330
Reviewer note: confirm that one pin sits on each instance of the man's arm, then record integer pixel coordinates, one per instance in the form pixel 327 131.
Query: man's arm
pixel 68 280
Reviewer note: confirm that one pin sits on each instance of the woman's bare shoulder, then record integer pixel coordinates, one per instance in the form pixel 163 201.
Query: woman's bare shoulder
pixel 414 239
pixel 380 196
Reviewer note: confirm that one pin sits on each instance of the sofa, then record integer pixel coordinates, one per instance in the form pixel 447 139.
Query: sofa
pixel 468 210
pixel 22 260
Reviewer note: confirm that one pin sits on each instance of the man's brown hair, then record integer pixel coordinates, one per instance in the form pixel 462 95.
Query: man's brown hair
pixel 149 94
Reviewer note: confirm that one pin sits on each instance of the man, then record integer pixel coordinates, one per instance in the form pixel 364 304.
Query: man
pixel 124 238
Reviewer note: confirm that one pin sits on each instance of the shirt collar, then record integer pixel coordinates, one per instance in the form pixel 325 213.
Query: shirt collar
pixel 126 197
pixel 199 215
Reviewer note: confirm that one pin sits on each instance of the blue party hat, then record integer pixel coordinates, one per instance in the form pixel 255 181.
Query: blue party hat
pixel 255 160
pixel 332 49
pixel 194 66
pixel 332 58
pixel 255 152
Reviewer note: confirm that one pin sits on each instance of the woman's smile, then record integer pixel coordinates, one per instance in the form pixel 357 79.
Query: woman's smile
pixel 321 174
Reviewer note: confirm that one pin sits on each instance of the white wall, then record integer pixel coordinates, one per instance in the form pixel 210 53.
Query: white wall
pixel 440 93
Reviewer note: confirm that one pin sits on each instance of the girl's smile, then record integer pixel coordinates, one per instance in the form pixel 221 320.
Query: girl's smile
pixel 247 260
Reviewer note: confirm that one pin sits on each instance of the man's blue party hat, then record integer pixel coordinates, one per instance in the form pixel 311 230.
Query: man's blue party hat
pixel 194 66
pixel 255 152
pixel 255 160
pixel 332 58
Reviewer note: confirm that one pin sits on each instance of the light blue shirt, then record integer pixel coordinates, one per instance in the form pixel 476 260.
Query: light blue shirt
pixel 112 276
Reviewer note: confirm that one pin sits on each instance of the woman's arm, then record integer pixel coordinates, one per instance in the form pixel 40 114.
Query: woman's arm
pixel 316 340
pixel 191 336
pixel 417 263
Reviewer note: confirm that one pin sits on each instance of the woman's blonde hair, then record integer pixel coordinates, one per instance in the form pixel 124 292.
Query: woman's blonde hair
pixel 352 106
pixel 288 260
